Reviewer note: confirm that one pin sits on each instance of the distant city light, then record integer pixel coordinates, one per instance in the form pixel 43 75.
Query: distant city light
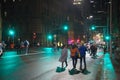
pixel 90 17
pixel 77 2
pixel 91 1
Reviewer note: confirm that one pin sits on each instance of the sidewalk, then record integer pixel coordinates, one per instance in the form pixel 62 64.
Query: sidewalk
pixel 108 70
pixel 116 64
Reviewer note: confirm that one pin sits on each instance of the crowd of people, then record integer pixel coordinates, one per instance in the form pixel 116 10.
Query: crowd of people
pixel 77 51
pixel 19 46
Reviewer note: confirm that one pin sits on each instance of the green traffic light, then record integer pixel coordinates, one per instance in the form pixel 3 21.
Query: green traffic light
pixel 11 32
pixel 107 37
pixel 49 37
pixel 65 27
pixel 92 27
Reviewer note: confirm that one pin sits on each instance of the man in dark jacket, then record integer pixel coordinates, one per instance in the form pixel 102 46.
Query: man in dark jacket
pixel 93 50
pixel 82 49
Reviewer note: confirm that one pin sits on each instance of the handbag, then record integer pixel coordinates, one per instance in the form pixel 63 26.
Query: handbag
pixel 77 55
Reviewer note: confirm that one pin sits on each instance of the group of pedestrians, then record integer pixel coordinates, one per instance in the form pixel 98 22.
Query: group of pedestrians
pixel 75 53
pixel 22 46
pixel 19 46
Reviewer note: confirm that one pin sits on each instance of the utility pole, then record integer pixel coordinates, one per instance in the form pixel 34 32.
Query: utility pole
pixel 111 28
pixel 0 24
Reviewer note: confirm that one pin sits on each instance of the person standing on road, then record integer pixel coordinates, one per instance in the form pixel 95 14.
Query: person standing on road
pixel 64 55
pixel 3 45
pixel 93 50
pixel 26 44
pixel 18 47
pixel 1 50
pixel 82 51
pixel 73 52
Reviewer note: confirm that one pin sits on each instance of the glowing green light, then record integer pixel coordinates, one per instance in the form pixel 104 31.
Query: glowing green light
pixel 49 37
pixel 65 27
pixel 11 32
pixel 93 27
pixel 107 37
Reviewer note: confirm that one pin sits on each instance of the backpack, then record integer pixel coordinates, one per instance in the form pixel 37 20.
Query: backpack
pixel 25 43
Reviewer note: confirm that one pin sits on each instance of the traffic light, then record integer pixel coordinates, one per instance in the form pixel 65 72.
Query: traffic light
pixel 11 32
pixel 107 37
pixel 49 36
pixel 65 27
pixel 93 27
pixel 34 35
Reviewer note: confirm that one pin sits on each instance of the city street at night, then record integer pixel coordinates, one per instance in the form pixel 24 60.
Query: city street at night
pixel 41 64
pixel 59 39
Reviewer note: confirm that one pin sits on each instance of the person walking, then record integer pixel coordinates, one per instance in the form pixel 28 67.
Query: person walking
pixel 73 52
pixel 64 55
pixel 82 49
pixel 26 44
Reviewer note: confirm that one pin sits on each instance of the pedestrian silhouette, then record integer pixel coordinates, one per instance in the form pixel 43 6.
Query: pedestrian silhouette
pixel 64 55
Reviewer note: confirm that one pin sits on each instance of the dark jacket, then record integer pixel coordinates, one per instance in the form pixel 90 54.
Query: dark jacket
pixel 82 50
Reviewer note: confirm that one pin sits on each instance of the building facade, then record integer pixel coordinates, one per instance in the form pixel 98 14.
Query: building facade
pixel 34 20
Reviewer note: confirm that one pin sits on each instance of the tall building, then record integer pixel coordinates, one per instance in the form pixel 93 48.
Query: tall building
pixel 34 20
pixel 116 21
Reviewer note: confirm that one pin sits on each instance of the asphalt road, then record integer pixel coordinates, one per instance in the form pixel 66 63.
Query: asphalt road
pixel 41 65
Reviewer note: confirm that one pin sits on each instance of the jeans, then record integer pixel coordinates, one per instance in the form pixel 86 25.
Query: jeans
pixel 74 61
pixel 83 58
